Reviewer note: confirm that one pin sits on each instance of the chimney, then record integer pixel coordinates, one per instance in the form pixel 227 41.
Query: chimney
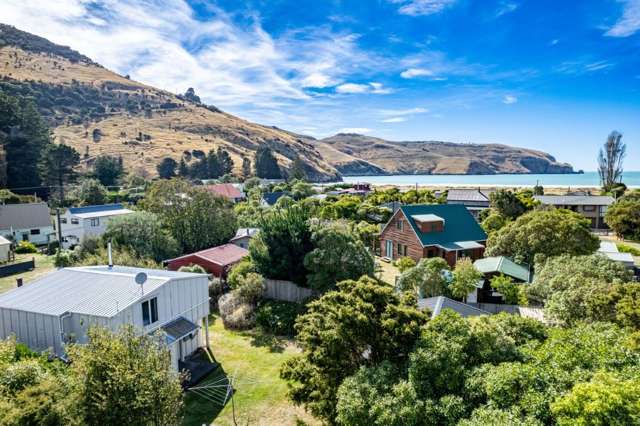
pixel 19 282
pixel 109 254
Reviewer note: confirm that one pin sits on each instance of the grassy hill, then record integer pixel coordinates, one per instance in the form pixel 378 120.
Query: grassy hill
pixel 80 99
pixel 354 154
pixel 100 112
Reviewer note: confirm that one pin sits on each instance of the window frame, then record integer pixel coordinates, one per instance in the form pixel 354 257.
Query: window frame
pixel 149 311
pixel 399 225
pixel 95 221
pixel 35 231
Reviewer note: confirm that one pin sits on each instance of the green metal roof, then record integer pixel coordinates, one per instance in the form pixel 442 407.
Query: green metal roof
pixel 459 225
pixel 503 265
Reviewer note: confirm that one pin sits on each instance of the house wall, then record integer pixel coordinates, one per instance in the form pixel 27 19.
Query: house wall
pixel 405 237
pixel 591 212
pixel 83 228
pixel 5 250
pixel 212 268
pixel 37 239
pixel 242 242
pixel 38 331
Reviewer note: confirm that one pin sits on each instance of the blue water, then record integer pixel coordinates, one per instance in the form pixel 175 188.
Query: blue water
pixel 587 179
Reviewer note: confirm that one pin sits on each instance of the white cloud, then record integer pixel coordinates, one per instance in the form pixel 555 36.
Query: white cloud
pixel 584 66
pixel 629 23
pixel 358 130
pixel 422 7
pixel 554 42
pixel 416 72
pixel 401 112
pixel 394 120
pixel 506 7
pixel 357 88
pixel 161 43
pixel 509 99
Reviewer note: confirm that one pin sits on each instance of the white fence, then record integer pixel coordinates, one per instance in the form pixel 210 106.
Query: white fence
pixel 285 290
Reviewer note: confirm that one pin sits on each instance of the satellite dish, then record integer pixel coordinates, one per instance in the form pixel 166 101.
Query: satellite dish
pixel 141 278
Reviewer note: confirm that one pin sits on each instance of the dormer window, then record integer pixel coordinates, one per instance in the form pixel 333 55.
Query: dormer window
pixel 429 222
pixel 399 225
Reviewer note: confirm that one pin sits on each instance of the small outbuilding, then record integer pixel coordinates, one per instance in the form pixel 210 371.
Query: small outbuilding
pixel 491 267
pixel 216 261
pixel 5 250
pixel 243 237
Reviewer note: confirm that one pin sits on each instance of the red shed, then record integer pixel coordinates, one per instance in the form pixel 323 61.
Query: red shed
pixel 216 260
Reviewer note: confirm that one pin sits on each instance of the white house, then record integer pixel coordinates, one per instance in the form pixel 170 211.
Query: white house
pixel 5 250
pixel 77 223
pixel 243 237
pixel 60 307
pixel 26 222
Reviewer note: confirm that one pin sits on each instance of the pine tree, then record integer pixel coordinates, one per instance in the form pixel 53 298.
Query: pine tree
pixel 183 169
pixel 246 167
pixel 214 168
pixel 225 161
pixel 266 164
pixel 57 167
pixel 167 168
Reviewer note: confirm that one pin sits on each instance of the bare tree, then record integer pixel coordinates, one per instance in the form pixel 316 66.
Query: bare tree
pixel 610 160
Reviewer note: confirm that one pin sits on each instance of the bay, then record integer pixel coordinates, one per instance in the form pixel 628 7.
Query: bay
pixel 583 180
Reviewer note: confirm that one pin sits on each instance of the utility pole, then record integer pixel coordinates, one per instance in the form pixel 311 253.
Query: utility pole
pixel 59 229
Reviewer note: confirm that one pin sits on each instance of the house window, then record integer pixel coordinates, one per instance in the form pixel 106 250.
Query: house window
pixel 35 232
pixel 95 221
pixel 589 208
pixel 75 221
pixel 150 311
pixel 399 224
pixel 63 220
pixel 399 249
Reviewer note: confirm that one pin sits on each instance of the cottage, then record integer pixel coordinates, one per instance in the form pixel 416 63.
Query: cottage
pixel 593 207
pixel 78 223
pixel 244 236
pixel 217 260
pixel 26 222
pixel 475 200
pixel 59 308
pixel 490 267
pixel 226 190
pixel 433 230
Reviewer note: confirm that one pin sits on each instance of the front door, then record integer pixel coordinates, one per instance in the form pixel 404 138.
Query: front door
pixel 389 249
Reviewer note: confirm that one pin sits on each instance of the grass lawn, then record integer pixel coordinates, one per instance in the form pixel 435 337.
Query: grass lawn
pixel 253 360
pixel 44 265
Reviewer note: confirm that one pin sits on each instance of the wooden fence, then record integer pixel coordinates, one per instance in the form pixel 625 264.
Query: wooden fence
pixel 286 290
pixel 16 268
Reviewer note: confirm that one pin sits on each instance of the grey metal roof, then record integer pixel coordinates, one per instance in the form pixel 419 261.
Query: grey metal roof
pixel 93 290
pixel 575 200
pixel 468 195
pixel 438 303
pixel 23 216
pixel 245 232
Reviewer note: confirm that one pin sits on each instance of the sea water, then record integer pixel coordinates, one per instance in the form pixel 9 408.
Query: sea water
pixel 578 180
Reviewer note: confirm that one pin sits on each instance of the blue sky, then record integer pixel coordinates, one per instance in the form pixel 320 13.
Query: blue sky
pixel 551 75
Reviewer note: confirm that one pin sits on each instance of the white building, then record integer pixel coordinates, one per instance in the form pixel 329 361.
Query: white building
pixel 77 223
pixel 610 250
pixel 244 236
pixel 26 222
pixel 5 250
pixel 60 307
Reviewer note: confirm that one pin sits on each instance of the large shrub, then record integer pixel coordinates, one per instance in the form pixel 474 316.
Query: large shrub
pixel 26 247
pixel 235 312
pixel 278 317
pixel 624 218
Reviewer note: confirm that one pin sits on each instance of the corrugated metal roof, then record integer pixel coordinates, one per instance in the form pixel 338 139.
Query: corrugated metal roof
pixel 468 195
pixel 245 232
pixel 438 303
pixel 107 213
pixel 223 255
pixel 503 265
pixel 178 329
pixel 23 216
pixel 95 208
pixel 4 241
pixel 225 190
pixel 575 200
pixel 459 224
pixel 90 290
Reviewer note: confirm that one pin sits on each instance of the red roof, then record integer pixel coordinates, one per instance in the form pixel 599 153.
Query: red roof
pixel 224 255
pixel 226 190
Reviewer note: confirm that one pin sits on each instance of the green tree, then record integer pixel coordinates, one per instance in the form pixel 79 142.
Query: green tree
pixel 196 218
pixel 126 375
pixel 183 169
pixel 301 190
pixel 604 400
pixel 24 136
pixel 511 291
pixel 543 232
pixel 225 161
pixel 282 244
pixel 246 167
pixel 57 167
pixel 143 234
pixel 566 285
pixel 167 168
pixel 405 263
pixel 338 255
pixel 493 222
pixel 618 303
pixel 297 171
pixel 362 323
pixel 266 164
pixel 430 277
pixel 108 169
pixel 624 218
pixel 465 278
pixel 91 192
pixel 507 203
